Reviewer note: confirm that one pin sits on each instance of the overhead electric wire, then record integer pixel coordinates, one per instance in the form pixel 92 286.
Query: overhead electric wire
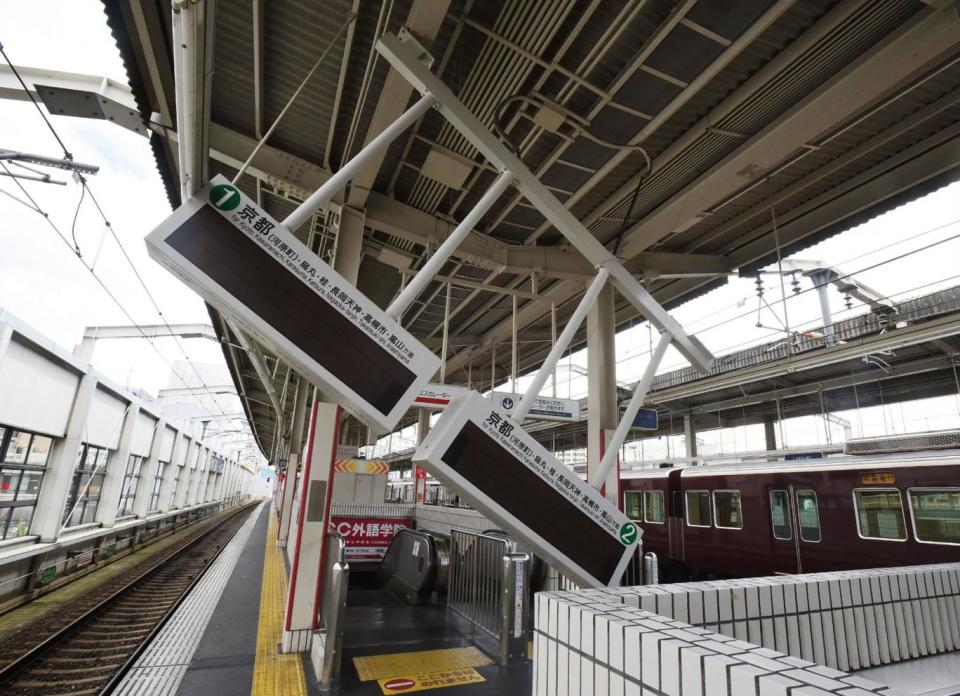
pixel 85 189
pixel 99 280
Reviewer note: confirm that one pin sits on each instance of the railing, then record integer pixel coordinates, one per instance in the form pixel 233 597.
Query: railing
pixel 388 510
pixel 488 586
pixel 335 581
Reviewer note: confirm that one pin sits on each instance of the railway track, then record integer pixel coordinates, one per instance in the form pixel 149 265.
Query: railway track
pixel 90 653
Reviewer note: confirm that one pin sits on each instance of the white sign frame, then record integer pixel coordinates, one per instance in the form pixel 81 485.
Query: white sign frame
pixel 418 358
pixel 476 409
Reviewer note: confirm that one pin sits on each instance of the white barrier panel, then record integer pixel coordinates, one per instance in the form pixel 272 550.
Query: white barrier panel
pixel 543 408
pixel 512 479
pixel 436 397
pixel 254 270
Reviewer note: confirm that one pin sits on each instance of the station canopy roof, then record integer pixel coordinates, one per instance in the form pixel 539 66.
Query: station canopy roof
pixel 767 123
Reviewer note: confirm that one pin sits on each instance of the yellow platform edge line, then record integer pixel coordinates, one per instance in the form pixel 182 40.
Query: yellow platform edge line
pixel 274 674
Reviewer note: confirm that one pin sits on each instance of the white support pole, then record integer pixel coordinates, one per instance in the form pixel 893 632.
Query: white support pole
pixel 404 56
pixel 325 193
pixel 612 451
pixel 435 262
pixel 513 346
pixel 446 336
pixel 553 342
pixel 561 344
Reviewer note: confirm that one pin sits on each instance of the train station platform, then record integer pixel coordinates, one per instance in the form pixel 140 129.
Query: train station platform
pixel 225 636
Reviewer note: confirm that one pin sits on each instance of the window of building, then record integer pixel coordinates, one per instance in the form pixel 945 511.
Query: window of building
pixel 176 482
pixel 631 504
pixel 808 516
pixel 880 514
pixel 653 507
pixel 128 491
pixel 157 482
pixel 936 514
pixel 698 508
pixel 780 514
pixel 84 497
pixel 727 510
pixel 23 460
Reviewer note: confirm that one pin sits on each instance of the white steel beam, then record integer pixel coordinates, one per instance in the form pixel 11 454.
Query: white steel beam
pixel 152 331
pixel 405 57
pixel 599 475
pixel 424 20
pixel 439 257
pixel 560 346
pixel 193 27
pixel 371 150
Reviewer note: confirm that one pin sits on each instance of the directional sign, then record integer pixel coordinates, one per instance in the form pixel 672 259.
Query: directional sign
pixel 544 407
pixel 502 471
pixel 257 273
pixel 436 397
pixel 646 418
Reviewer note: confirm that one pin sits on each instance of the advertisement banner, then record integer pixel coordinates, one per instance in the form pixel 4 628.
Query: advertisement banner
pixel 368 538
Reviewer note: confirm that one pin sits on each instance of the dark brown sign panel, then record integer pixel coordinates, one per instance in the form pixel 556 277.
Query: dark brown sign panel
pixel 259 275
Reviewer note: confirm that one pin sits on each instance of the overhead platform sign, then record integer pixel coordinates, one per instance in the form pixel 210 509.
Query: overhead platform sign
pixel 544 407
pixel 258 274
pixel 646 418
pixel 502 471
pixel 436 397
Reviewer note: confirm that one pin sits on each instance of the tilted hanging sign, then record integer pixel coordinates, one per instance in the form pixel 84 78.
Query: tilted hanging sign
pixel 504 473
pixel 258 274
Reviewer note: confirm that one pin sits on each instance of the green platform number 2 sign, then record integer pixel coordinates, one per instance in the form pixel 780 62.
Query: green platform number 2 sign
pixel 224 197
pixel 628 533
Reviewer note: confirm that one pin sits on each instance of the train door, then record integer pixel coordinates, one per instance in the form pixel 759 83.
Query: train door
pixel 675 520
pixel 784 544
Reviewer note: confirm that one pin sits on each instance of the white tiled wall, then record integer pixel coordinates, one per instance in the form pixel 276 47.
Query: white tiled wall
pixel 795 635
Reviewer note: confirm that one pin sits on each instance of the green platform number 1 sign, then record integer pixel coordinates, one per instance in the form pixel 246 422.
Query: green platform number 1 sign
pixel 224 197
pixel 628 533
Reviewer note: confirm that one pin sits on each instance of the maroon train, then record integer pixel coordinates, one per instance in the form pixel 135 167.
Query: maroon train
pixel 798 517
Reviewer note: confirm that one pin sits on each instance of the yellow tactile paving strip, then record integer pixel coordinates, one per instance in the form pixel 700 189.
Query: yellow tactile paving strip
pixel 275 673
pixel 424 662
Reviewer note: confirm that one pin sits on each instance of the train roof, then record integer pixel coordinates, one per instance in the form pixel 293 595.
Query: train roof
pixel 899 460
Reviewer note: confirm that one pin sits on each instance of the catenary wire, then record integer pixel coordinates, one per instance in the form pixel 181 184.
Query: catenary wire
pixel 85 189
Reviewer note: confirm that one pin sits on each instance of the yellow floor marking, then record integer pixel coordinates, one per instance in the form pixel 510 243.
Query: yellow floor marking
pixel 425 682
pixel 423 662
pixel 273 673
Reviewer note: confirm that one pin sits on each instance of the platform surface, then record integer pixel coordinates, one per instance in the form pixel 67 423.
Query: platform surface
pixel 224 640
pixel 935 675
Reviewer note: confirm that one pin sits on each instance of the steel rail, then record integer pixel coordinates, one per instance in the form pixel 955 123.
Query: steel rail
pixel 20 663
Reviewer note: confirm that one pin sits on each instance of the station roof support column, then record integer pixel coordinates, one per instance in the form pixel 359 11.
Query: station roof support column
pixel 602 389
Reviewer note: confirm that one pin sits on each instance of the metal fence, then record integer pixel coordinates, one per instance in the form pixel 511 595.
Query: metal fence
pixel 384 510
pixel 475 582
pixel 336 577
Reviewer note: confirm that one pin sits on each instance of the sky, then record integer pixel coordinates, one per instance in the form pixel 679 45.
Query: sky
pixel 41 279
pixel 43 282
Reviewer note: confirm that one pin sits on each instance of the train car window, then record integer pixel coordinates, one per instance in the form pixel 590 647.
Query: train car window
pixel 631 505
pixel 698 508
pixel 653 507
pixel 780 515
pixel 936 514
pixel 880 514
pixel 727 510
pixel 808 516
